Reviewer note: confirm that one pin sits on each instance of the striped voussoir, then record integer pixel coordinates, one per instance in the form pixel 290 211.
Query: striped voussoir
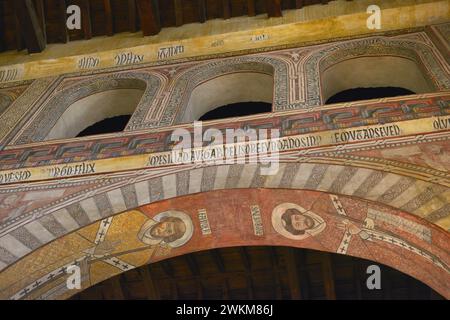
pixel 418 197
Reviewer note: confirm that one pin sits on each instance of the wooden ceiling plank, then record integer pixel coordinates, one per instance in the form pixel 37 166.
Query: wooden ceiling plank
pixel 292 273
pixel 132 16
pixel 328 277
pixel 20 43
pixel 3 45
pixel 245 257
pixel 303 273
pixel 217 257
pixel 86 22
pixel 64 35
pixel 149 283
pixel 299 4
pixel 192 264
pixel 30 27
pixel 149 15
pixel 40 10
pixel 251 8
pixel 168 269
pixel 276 276
pixel 200 290
pixel 202 10
pixel 226 5
pixel 356 271
pixel 178 7
pixel 109 22
pixel 226 289
pixel 116 287
pixel 274 8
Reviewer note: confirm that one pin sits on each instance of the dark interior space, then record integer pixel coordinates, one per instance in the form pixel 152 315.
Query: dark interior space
pixel 260 272
pixel 367 93
pixel 110 125
pixel 237 110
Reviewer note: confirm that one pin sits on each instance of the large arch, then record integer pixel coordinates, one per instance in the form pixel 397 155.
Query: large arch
pixel 340 224
pixel 39 127
pixel 420 55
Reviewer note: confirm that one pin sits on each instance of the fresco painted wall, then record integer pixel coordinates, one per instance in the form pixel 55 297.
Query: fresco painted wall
pixel 300 218
pixel 366 178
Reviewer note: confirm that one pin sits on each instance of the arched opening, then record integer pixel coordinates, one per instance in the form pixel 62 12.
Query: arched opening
pixel 237 110
pixel 232 92
pixel 258 273
pixel 367 94
pixel 372 77
pixel 95 108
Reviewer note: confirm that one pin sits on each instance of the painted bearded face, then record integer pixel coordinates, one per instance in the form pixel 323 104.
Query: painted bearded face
pixel 163 229
pixel 295 222
pixel 169 229
pixel 299 222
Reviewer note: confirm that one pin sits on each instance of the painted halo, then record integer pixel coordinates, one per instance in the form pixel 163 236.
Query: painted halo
pixel 278 223
pixel 187 221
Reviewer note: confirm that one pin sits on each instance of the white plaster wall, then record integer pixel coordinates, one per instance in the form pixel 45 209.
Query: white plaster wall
pixel 366 72
pixel 228 89
pixel 89 110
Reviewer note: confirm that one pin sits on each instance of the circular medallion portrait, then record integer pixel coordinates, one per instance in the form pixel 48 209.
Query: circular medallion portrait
pixel 295 222
pixel 174 228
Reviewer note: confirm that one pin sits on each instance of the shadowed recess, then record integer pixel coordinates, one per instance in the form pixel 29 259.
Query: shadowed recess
pixel 367 93
pixel 110 125
pixel 237 110
pixel 261 272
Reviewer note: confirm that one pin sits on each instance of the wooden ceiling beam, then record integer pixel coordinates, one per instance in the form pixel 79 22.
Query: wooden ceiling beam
pixel 274 8
pixel 149 15
pixel 20 44
pixel 167 268
pixel 192 264
pixel 226 7
pixel 117 290
pixel 202 11
pixel 299 4
pixel 328 276
pixel 30 26
pixel 132 16
pixel 292 273
pixel 149 283
pixel 303 273
pixel 217 257
pixel 178 6
pixel 251 8
pixel 109 21
pixel 40 10
pixel 62 9
pixel 226 289
pixel 276 271
pixel 200 290
pixel 3 45
pixel 245 257
pixel 356 272
pixel 86 22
